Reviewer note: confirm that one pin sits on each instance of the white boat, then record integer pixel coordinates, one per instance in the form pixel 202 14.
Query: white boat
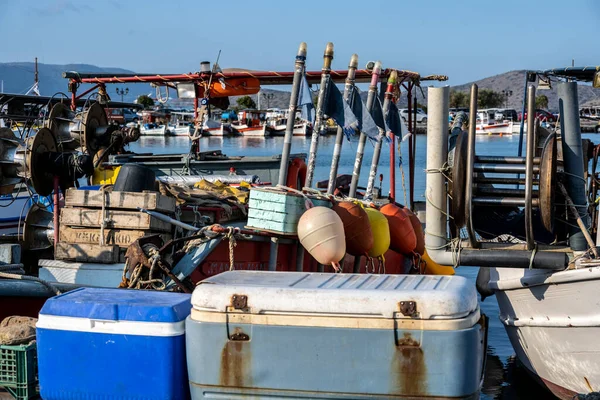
pixel 153 130
pixel 250 123
pixel 180 124
pixel 553 323
pixel 487 125
pixel 277 123
pixel 215 128
pixel 179 130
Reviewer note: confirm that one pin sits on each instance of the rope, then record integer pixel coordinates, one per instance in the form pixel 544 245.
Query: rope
pixel 232 244
pixel 535 248
pixel 104 219
pixel 400 164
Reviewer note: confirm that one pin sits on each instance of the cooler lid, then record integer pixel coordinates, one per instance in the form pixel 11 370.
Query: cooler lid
pixel 383 296
pixel 120 305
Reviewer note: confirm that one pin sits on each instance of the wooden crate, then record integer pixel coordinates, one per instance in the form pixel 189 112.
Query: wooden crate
pixel 80 252
pixel 120 200
pixel 119 219
pixel 275 210
pixel 120 237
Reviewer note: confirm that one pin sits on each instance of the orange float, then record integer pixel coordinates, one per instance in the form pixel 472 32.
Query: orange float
pixel 359 237
pixel 296 174
pixel 418 228
pixel 402 234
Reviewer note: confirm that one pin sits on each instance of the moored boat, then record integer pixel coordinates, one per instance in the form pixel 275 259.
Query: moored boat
pixel 487 125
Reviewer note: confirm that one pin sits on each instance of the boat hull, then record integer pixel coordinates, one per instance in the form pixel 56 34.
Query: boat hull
pixel 256 131
pixel 552 321
pixel 299 130
pixel 505 128
pixel 181 131
pixel 162 131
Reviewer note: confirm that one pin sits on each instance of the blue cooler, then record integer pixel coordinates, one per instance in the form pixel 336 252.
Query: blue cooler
pixel 113 344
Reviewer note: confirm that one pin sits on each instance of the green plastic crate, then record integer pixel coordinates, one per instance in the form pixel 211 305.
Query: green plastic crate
pixel 18 370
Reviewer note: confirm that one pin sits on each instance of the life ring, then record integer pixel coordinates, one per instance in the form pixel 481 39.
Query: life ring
pixel 296 175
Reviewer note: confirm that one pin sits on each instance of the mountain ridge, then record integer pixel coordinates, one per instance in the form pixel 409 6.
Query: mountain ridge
pixel 18 77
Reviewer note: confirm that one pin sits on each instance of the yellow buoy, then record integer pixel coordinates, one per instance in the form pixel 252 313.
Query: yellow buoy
pixel 381 232
pixel 321 232
pixel 433 268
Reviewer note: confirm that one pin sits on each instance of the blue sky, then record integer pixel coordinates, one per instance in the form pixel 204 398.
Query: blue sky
pixel 466 40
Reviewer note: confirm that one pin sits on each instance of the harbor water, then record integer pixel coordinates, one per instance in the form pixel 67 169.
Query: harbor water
pixel 504 378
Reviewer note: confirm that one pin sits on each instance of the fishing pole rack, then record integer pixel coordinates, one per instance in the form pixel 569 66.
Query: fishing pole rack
pixel 528 182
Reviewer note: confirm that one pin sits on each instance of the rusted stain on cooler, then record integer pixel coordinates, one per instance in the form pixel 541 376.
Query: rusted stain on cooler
pixel 236 362
pixel 408 368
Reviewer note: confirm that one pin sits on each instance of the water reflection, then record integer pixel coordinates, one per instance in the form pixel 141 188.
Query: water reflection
pixel 510 381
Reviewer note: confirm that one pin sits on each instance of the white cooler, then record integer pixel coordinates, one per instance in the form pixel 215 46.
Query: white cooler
pixel 297 335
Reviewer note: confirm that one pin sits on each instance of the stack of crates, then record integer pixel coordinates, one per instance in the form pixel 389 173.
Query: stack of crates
pixel 86 210
pixel 18 370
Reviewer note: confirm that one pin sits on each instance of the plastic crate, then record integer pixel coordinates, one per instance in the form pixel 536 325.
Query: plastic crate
pixel 18 370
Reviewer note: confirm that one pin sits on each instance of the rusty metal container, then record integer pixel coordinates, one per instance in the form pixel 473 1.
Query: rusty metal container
pixel 357 229
pixel 296 335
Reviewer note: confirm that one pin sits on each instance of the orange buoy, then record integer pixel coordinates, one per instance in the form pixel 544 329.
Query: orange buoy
pixel 418 228
pixel 381 232
pixel 402 235
pixel 357 229
pixel 321 232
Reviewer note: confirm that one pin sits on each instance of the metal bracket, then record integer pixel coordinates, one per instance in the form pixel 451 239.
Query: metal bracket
pixel 239 301
pixel 408 308
pixel 239 337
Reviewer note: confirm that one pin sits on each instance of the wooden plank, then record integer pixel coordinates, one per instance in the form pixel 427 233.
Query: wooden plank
pixel 116 219
pixel 87 253
pixel 120 200
pixel 119 237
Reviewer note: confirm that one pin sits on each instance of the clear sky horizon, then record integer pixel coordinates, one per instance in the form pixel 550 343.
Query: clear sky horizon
pixel 466 40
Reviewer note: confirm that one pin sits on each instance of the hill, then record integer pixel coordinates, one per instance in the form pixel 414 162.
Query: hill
pixel 514 81
pixel 18 77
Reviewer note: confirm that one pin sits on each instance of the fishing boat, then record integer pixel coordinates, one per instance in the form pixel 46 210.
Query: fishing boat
pixel 250 123
pixel 534 245
pixel 152 129
pixel 487 125
pixel 180 124
pixel 277 124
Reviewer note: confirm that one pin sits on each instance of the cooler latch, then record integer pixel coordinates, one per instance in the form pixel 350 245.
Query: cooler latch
pixel 239 323
pixel 239 301
pixel 408 308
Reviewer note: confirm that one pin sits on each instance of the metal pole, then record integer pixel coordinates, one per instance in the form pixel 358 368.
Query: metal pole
pixel 411 156
pixel 287 144
pixel 377 151
pixel 470 165
pixel 529 167
pixel 436 207
pixel 392 192
pixel 339 137
pixel 319 120
pixel 522 125
pixel 56 209
pixel 573 157
pixel 289 128
pixel 360 150
pixel 414 152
